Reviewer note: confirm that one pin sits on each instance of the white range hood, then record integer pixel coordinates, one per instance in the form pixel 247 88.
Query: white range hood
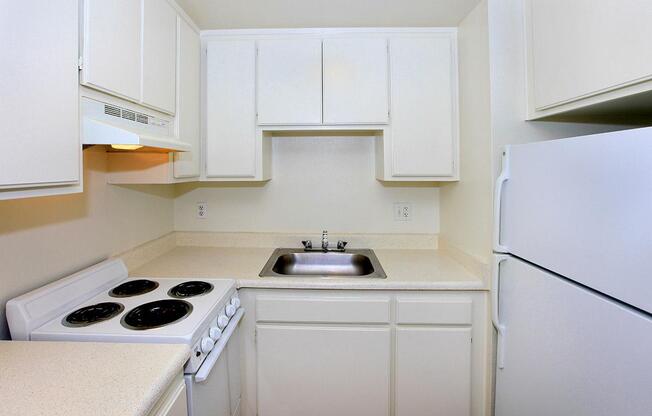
pixel 125 129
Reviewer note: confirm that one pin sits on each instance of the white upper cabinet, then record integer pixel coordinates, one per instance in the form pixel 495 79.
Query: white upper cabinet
pixel 423 137
pixel 231 148
pixel 187 164
pixel 584 52
pixel 112 47
pixel 129 50
pixel 355 81
pixel 289 81
pixel 39 99
pixel 159 55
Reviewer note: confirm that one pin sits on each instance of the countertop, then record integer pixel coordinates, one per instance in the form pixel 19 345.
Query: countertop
pixel 405 269
pixel 85 378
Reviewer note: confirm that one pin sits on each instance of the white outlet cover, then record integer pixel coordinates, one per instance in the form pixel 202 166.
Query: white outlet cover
pixel 202 210
pixel 402 211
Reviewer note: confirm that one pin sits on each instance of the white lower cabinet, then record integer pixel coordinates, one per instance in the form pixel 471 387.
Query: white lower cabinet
pixel 173 402
pixel 433 371
pixel 321 370
pixel 353 353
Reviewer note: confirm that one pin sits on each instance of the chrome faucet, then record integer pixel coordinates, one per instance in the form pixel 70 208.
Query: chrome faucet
pixel 325 246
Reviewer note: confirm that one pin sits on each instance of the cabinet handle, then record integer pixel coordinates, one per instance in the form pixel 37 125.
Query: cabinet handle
pixel 498 193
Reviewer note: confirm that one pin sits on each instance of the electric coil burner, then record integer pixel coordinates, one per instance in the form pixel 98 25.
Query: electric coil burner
pixel 91 314
pixel 190 289
pixel 156 314
pixel 133 288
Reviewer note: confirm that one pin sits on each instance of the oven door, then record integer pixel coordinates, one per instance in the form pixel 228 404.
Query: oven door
pixel 214 390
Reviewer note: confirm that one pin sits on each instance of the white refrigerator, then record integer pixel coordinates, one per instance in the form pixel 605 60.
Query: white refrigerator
pixel 572 277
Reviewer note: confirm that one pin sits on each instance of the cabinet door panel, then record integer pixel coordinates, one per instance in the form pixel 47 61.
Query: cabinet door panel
pixel 433 371
pixel 39 89
pixel 112 50
pixel 159 55
pixel 423 109
pixel 230 109
pixel 323 371
pixel 582 47
pixel 186 164
pixel 355 81
pixel 289 81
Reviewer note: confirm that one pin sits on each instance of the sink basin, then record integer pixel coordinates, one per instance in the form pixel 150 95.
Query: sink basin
pixel 286 262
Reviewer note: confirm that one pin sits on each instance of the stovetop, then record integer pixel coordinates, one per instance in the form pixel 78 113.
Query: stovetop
pixel 143 310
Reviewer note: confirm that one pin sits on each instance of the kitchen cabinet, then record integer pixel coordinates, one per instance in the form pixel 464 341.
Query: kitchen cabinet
pixel 173 402
pixel 233 148
pixel 112 47
pixel 355 81
pixel 188 122
pixel 161 168
pixel 289 81
pixel 364 353
pixel 159 55
pixel 583 52
pixel 40 99
pixel 129 50
pixel 399 85
pixel 422 141
pixel 323 370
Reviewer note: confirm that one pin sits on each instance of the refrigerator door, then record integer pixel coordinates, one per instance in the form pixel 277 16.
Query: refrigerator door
pixel 567 350
pixel 582 208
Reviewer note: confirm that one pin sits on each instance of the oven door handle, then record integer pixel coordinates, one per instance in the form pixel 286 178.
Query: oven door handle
pixel 205 370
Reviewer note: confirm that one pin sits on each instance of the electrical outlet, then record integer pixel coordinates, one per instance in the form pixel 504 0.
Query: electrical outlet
pixel 402 211
pixel 202 210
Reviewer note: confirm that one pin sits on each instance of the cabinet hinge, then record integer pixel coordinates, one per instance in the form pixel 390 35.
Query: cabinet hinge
pixel 80 63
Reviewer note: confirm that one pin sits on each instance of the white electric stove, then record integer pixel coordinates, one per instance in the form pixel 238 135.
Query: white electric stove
pixel 103 304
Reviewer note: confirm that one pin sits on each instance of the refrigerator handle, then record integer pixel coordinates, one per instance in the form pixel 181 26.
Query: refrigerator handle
pixel 495 319
pixel 498 194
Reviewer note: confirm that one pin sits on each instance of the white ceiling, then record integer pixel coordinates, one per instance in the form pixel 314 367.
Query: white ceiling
pixel 245 14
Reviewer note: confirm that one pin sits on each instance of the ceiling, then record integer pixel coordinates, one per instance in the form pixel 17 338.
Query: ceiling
pixel 255 14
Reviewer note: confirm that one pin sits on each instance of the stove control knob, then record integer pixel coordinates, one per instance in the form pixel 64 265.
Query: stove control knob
pixel 207 345
pixel 215 333
pixel 230 310
pixel 235 301
pixel 222 321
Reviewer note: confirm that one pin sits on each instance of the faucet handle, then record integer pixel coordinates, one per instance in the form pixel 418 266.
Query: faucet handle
pixel 307 244
pixel 341 244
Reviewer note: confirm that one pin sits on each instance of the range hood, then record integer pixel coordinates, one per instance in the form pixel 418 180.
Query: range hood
pixel 124 129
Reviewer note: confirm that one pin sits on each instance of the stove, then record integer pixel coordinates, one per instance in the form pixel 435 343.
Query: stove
pixel 102 304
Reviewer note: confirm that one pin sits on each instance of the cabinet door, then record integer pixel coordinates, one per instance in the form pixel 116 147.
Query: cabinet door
pixel 159 55
pixel 186 164
pixel 39 90
pixel 323 371
pixel 289 81
pixel 112 44
pixel 231 109
pixel 583 47
pixel 355 81
pixel 433 371
pixel 423 97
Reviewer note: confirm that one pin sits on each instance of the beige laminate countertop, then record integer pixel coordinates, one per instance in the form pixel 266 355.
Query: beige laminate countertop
pixel 85 378
pixel 405 269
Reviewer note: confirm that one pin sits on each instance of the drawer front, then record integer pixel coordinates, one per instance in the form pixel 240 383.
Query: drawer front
pixel 333 309
pixel 444 310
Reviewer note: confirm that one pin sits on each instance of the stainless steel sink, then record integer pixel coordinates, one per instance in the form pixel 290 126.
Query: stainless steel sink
pixel 295 262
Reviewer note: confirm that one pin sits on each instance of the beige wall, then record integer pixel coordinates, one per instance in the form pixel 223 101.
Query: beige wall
pixel 317 183
pixel 466 205
pixel 42 239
